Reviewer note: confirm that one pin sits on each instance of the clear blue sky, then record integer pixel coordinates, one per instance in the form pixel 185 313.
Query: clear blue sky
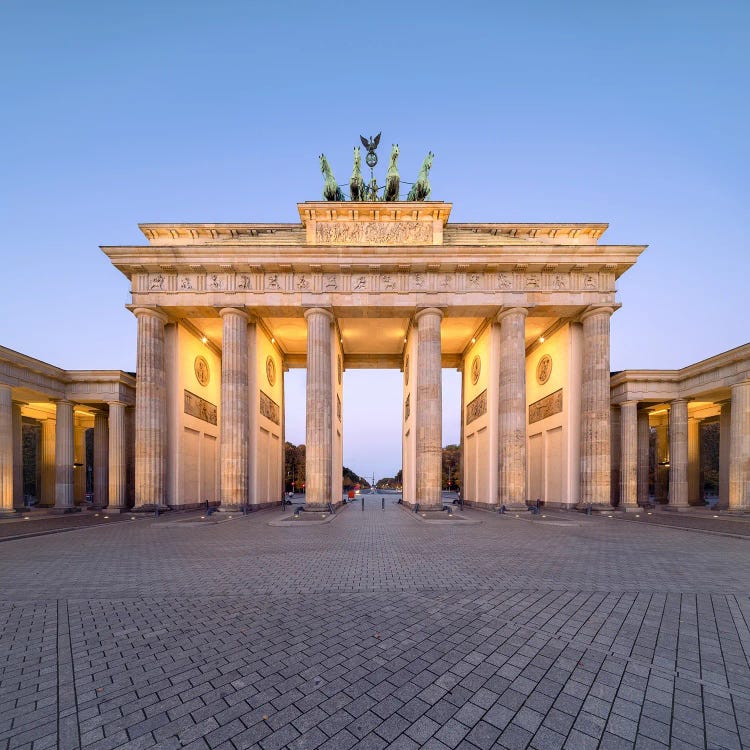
pixel 632 113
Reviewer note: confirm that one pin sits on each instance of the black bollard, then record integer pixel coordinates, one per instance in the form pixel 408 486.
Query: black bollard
pixel 363 503
pixel 382 503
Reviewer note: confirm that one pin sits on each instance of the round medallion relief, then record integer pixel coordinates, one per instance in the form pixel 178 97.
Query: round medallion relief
pixel 271 371
pixel 406 370
pixel 202 373
pixel 543 369
pixel 338 368
pixel 476 369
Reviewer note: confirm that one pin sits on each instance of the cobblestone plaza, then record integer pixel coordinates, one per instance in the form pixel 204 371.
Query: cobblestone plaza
pixel 378 630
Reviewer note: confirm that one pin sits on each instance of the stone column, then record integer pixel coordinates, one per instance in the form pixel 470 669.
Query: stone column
pixel 595 428
pixel 47 483
pixel 319 414
pixel 18 500
pixel 64 456
pixel 661 470
pixel 629 456
pixel 150 411
pixel 101 460
pixel 6 451
pixel 695 495
pixel 644 433
pixel 739 449
pixel 428 410
pixel 678 455
pixel 79 471
pixel 235 424
pixel 117 449
pixel 512 490
pixel 725 422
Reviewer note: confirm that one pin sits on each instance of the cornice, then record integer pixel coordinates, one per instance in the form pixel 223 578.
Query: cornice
pixel 130 259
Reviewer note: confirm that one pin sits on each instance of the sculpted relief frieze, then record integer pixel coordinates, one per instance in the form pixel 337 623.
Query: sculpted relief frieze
pixel 373 233
pixel 432 280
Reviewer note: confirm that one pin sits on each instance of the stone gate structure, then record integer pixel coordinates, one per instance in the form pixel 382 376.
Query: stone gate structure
pixel 522 310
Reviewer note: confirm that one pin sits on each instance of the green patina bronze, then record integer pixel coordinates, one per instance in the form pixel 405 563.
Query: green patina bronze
pixel 392 180
pixel 331 191
pixel 359 190
pixel 420 190
pixel 356 183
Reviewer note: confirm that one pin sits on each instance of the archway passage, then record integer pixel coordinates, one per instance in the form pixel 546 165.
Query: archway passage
pixel 223 310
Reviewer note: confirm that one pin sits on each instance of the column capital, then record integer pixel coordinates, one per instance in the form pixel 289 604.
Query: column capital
pixel 117 402
pixel 319 311
pixel 741 384
pixel 234 311
pixel 629 402
pixel 427 311
pixel 506 311
pixel 140 312
pixel 5 387
pixel 592 310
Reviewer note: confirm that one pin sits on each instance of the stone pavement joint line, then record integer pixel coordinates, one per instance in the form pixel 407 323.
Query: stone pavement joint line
pixel 375 632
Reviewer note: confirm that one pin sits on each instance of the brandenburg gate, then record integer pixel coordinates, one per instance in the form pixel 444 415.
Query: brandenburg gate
pixel 522 310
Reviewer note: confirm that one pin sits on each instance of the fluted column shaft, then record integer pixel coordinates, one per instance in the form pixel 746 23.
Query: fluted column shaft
pixel 235 423
pixel 101 460
pixel 150 410
pixel 725 429
pixel 644 433
pixel 64 455
pixel 595 421
pixel 512 490
pixel 117 457
pixel 695 494
pixel 17 456
pixel 79 472
pixel 629 455
pixel 661 472
pixel 319 413
pixel 739 448
pixel 678 454
pixel 428 414
pixel 6 450
pixel 47 484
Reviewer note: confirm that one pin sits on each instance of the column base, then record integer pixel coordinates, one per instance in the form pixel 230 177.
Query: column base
pixel 230 508
pixel 630 508
pixel 148 508
pixel 317 508
pixel 9 513
pixel 595 507
pixel 64 511
pixel 679 508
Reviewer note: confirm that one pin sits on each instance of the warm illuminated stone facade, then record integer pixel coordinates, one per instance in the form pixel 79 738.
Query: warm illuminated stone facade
pixel 223 310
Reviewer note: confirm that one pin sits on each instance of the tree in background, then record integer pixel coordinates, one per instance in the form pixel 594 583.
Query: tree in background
pixel 451 467
pixel 294 467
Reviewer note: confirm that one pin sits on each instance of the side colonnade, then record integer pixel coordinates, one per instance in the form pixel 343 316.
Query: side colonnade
pixel 673 405
pixel 59 406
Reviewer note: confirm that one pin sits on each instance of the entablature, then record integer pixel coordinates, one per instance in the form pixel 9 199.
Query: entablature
pixel 615 259
pixel 708 377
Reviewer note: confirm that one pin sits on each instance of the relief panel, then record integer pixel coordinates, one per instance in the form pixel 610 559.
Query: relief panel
pixel 373 233
pixel 198 407
pixel 546 407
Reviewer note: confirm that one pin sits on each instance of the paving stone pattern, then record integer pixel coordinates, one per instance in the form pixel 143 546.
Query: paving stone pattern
pixel 375 631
